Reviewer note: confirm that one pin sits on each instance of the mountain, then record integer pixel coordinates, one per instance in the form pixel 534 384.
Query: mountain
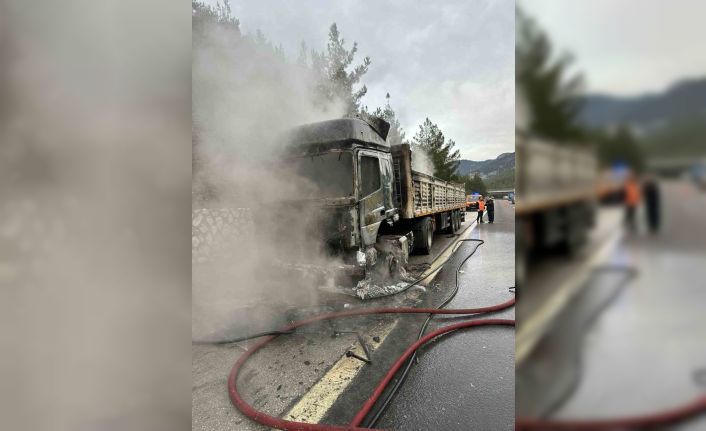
pixel 487 168
pixel 669 123
pixel 646 112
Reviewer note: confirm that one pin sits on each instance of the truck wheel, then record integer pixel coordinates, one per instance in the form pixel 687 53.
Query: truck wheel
pixel 523 242
pixel 458 220
pixel 520 269
pixel 451 228
pixel 423 236
pixel 576 229
pixel 429 236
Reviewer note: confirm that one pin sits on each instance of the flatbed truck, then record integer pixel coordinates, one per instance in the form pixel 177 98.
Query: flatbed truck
pixel 381 210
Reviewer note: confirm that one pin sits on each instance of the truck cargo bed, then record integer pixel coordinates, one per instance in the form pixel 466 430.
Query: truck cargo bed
pixel 551 175
pixel 418 194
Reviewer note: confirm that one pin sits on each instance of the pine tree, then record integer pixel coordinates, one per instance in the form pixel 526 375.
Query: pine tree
pixel 620 147
pixel 475 184
pixel 396 135
pixel 444 157
pixel 203 14
pixel 302 59
pixel 205 18
pixel 335 81
pixel 551 95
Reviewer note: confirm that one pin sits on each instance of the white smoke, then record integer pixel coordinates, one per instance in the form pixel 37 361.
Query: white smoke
pixel 244 98
pixel 421 161
pixel 94 166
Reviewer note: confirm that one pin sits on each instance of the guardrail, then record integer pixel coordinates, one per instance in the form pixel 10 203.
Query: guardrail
pixel 215 231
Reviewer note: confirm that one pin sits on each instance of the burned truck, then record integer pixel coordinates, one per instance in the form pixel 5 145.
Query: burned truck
pixel 379 209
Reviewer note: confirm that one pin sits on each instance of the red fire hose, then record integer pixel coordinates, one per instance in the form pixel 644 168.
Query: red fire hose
pixel 660 419
pixel 271 421
pixel 411 349
pixel 663 418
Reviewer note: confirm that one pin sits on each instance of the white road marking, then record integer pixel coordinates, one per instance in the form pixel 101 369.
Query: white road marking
pixel 313 406
pixel 531 331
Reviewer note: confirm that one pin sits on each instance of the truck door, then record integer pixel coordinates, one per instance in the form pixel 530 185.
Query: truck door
pixel 388 181
pixel 371 204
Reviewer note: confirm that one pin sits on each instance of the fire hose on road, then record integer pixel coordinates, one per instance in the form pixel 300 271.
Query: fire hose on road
pixel 275 422
pixel 667 417
pixel 651 420
pixel 422 339
pixel 672 416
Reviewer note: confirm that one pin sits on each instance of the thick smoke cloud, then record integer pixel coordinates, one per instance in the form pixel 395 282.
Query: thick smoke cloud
pixel 245 98
pixel 94 180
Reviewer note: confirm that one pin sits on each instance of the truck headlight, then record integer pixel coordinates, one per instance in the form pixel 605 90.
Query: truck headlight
pixel 360 258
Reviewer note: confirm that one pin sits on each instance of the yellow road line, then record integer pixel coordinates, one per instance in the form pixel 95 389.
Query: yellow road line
pixel 314 405
pixel 439 260
pixel 531 330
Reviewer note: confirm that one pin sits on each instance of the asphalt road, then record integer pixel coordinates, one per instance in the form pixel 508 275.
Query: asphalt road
pixel 282 378
pixel 626 347
pixel 466 380
pixel 548 272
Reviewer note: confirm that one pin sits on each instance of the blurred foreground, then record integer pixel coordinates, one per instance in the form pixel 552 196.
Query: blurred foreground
pixel 610 315
pixel 94 202
pixel 621 346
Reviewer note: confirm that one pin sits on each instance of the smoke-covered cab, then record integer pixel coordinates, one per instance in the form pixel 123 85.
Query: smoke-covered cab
pixel 345 168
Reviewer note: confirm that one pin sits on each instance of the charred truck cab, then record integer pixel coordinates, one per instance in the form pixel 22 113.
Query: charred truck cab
pixel 377 213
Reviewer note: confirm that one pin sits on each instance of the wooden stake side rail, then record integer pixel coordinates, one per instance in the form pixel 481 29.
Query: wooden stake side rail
pixel 418 194
pixel 432 195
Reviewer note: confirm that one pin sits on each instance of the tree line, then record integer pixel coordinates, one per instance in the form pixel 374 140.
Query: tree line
pixel 338 78
pixel 553 96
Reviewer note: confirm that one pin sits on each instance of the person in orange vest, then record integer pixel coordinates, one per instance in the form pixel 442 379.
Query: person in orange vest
pixel 632 200
pixel 481 208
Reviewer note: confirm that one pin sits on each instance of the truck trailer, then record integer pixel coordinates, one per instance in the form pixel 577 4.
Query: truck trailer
pixel 557 196
pixel 380 209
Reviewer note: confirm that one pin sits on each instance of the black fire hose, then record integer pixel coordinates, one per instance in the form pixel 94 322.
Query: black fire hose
pixel 403 376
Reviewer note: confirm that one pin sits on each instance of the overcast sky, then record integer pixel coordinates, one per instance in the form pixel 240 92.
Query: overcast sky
pixel 452 61
pixel 627 47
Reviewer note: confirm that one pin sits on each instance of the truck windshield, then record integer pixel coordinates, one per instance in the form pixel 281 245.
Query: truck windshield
pixel 330 174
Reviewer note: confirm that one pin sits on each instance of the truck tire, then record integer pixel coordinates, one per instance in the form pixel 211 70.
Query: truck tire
pixel 521 266
pixel 451 228
pixel 458 220
pixel 576 226
pixel 426 249
pixel 423 236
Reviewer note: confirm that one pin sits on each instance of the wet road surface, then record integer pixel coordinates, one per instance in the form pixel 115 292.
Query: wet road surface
pixel 466 380
pixel 279 376
pixel 641 351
